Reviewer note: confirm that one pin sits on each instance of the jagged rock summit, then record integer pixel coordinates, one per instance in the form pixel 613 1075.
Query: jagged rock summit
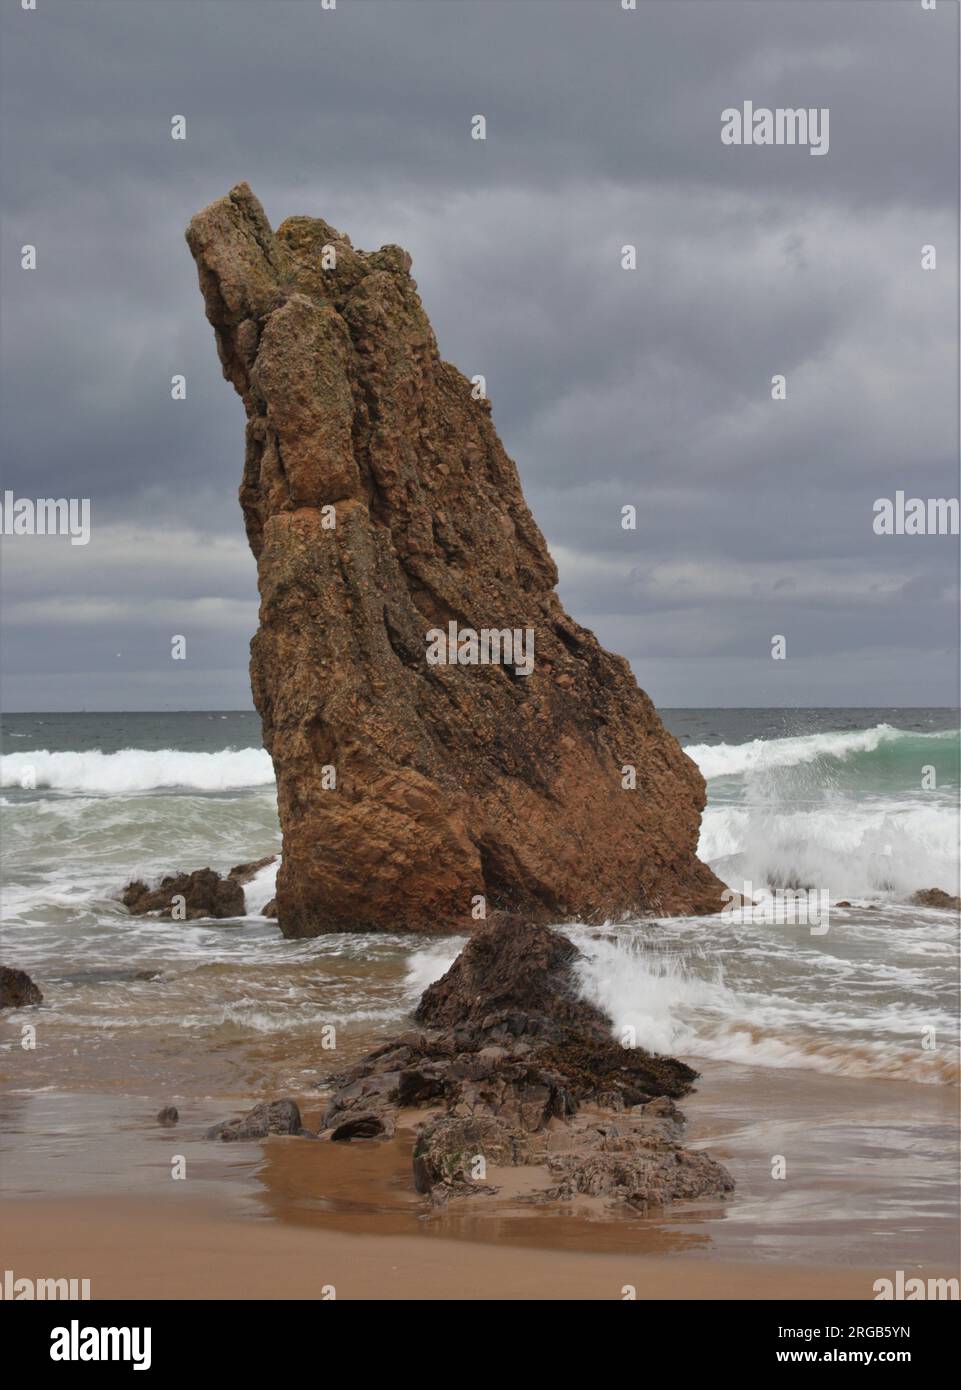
pixel 381 506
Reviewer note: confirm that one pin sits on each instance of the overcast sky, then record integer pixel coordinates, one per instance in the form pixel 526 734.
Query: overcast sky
pixel 650 387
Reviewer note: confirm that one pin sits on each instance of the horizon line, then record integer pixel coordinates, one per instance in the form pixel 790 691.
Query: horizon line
pixel 223 709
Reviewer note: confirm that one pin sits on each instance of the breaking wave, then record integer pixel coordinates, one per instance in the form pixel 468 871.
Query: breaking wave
pixel 682 1004
pixel 865 813
pixel 851 849
pixel 137 769
pixel 766 755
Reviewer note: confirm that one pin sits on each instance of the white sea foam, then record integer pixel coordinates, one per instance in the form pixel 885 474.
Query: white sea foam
pixel 834 811
pixel 851 848
pixel 674 1008
pixel 138 769
pixel 429 964
pixel 261 888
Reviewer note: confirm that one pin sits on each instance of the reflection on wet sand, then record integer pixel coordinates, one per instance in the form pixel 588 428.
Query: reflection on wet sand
pixel 365 1188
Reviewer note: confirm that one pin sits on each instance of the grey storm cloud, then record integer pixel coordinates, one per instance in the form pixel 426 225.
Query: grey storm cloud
pixel 610 387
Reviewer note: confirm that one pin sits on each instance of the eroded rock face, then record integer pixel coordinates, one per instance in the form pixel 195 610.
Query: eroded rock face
pixel 380 505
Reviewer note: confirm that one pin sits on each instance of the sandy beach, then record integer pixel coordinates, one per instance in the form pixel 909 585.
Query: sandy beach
pixel 194 1249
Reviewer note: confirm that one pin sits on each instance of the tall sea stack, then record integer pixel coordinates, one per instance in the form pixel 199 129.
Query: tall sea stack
pixel 382 509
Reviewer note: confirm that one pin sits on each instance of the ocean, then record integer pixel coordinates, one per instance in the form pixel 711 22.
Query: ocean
pixel 826 798
pixel 139 1012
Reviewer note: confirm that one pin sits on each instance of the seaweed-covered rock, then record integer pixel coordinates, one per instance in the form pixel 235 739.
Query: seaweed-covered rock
pixel 513 1068
pixel 446 1153
pixel 516 971
pixel 635 1162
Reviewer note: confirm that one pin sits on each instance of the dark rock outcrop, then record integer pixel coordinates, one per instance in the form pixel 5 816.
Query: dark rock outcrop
pixel 362 1126
pixel 513 1067
pixel 381 507
pixel 269 1117
pixel 204 894
pixel 937 897
pixel 245 873
pixel 511 967
pixel 17 989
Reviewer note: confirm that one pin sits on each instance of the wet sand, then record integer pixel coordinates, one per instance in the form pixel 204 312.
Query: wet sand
pixel 192 1249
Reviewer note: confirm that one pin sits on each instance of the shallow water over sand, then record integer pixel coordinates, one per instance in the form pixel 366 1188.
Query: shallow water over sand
pixel 870 1173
